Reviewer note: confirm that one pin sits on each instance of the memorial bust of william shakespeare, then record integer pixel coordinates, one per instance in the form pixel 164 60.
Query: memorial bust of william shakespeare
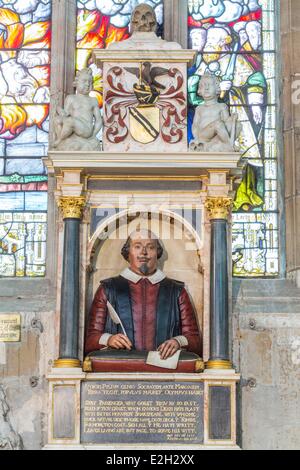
pixel 153 312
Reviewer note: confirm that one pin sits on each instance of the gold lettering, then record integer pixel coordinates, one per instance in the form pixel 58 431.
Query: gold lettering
pixel 172 414
pixel 10 327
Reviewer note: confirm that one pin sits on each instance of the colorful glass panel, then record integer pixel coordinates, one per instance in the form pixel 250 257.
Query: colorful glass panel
pixel 101 22
pixel 235 41
pixel 25 36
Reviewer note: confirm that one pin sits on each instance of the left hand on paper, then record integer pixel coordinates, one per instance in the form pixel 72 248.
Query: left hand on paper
pixel 168 348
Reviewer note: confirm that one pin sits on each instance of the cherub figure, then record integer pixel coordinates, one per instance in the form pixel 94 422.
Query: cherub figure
pixel 78 123
pixel 214 130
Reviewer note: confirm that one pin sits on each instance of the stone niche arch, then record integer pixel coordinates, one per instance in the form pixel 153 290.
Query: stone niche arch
pixel 181 260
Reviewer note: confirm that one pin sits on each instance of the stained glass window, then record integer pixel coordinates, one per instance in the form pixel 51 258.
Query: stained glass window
pixel 100 22
pixel 236 42
pixel 25 34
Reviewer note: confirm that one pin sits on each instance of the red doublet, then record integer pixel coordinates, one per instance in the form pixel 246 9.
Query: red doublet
pixel 144 297
pixel 143 300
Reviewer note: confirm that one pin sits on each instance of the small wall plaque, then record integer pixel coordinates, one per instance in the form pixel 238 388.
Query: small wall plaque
pixel 10 327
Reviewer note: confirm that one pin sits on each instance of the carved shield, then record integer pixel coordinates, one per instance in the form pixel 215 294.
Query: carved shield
pixel 144 123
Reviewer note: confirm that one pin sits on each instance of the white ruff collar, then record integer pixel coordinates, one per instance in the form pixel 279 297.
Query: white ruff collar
pixel 155 278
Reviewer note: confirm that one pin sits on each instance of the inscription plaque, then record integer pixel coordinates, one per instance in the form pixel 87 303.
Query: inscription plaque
pixel 10 327
pixel 142 412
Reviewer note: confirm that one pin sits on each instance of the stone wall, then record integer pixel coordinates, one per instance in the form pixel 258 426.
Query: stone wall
pixel 24 365
pixel 266 351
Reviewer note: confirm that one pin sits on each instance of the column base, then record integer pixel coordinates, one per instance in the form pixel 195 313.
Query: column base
pixel 218 364
pixel 87 365
pixel 66 363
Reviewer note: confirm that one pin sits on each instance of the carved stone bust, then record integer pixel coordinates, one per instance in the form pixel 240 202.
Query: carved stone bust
pixel 143 19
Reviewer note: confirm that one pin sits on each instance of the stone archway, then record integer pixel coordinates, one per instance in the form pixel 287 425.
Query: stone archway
pixel 182 258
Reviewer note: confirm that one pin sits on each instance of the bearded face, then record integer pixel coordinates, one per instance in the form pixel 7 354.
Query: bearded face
pixel 218 42
pixel 143 19
pixel 143 253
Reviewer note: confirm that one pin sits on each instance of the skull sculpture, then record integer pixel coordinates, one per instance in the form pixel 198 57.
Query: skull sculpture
pixel 143 19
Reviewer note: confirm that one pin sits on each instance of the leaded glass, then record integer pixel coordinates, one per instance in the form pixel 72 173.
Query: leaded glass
pixel 235 41
pixel 22 243
pixel 101 22
pixel 25 37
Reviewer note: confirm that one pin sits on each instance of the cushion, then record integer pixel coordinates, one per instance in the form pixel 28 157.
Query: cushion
pixel 113 360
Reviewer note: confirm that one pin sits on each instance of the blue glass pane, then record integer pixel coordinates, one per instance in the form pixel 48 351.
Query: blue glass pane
pixel 36 201
pixel 26 150
pixel 12 201
pixel 24 166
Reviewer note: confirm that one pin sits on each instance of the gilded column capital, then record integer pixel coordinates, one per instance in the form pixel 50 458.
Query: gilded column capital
pixel 71 206
pixel 218 207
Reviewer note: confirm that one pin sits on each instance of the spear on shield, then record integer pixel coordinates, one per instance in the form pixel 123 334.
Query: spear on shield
pixel 229 74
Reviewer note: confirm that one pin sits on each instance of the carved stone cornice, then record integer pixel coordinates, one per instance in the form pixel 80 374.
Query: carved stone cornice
pixel 218 207
pixel 72 207
pixel 164 163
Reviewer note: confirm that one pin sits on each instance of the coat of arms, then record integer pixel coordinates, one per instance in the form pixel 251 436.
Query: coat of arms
pixel 144 118
pixel 147 108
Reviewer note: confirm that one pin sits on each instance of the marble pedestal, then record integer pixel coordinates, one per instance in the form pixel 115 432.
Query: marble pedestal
pixel 216 418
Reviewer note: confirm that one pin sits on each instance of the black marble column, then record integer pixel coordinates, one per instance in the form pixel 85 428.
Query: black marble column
pixel 219 321
pixel 69 311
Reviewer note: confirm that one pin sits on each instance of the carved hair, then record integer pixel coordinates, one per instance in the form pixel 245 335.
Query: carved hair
pixel 152 236
pixel 143 8
pixel 209 76
pixel 84 73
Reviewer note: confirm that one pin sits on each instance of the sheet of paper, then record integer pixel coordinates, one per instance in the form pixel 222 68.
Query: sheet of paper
pixel 154 359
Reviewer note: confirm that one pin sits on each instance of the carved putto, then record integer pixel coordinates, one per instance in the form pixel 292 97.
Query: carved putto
pixel 77 124
pixel 214 129
pixel 143 19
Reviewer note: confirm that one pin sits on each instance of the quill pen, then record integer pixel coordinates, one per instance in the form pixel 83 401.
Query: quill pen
pixel 114 316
